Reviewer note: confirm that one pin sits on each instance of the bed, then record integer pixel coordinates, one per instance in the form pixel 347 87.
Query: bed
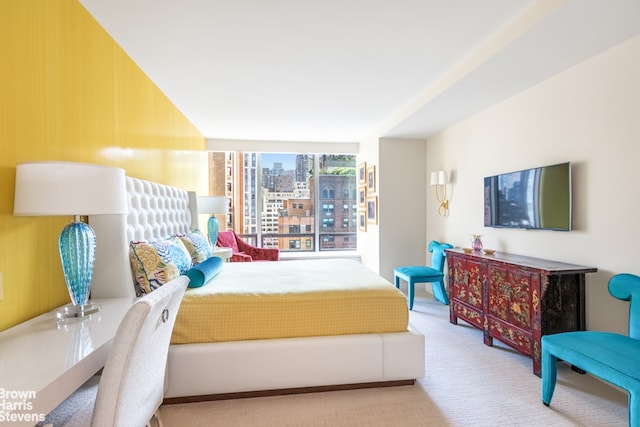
pixel 351 348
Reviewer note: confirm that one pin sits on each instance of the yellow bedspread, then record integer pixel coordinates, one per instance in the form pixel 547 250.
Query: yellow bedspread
pixel 284 299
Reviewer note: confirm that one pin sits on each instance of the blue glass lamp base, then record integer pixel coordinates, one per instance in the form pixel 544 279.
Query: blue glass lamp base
pixel 77 252
pixel 212 228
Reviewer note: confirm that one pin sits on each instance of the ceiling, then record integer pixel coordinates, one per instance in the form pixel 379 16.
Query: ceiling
pixel 344 70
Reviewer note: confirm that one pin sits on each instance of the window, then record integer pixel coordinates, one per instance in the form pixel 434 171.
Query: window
pixel 278 195
pixel 328 193
pixel 294 244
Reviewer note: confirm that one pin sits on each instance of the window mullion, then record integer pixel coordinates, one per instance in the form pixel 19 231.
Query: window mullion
pixel 316 202
pixel 259 199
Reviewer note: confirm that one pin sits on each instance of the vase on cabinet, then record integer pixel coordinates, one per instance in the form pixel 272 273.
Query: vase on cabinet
pixel 476 242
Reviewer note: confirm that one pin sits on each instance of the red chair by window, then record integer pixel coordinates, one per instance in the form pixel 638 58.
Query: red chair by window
pixel 243 251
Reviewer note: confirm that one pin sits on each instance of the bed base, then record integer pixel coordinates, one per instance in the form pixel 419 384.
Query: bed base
pixel 279 366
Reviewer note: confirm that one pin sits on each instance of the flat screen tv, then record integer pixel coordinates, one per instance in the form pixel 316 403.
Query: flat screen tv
pixel 538 198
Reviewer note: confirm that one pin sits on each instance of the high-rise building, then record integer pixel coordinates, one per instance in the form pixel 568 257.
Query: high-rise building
pixel 338 211
pixel 221 167
pixel 296 224
pixel 303 167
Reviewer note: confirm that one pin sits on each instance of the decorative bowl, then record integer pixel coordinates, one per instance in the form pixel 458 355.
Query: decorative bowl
pixel 467 250
pixel 489 251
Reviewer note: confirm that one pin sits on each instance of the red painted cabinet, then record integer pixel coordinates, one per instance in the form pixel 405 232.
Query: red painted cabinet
pixel 466 282
pixel 516 299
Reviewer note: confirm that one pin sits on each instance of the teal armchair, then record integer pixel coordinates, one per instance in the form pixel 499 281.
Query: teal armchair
pixel 612 357
pixel 423 274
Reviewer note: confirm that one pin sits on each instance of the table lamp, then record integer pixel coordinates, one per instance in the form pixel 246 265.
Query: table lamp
pixel 75 189
pixel 213 205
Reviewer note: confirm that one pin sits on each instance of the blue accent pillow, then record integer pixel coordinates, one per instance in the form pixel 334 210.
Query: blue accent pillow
pixel 198 246
pixel 202 273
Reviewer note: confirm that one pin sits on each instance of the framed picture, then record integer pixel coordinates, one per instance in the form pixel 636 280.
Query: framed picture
pixel 362 221
pixel 362 173
pixel 362 196
pixel 371 179
pixel 372 209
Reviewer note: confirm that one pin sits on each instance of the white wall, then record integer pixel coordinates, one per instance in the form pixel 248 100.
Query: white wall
pixel 402 205
pixel 588 115
pixel 399 238
pixel 369 241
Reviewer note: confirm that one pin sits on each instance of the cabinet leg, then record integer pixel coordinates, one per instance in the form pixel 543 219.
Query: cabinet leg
pixel 453 319
pixel 537 367
pixel 488 340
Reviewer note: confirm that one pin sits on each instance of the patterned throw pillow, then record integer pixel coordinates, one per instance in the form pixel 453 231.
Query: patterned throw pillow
pixel 198 246
pixel 156 263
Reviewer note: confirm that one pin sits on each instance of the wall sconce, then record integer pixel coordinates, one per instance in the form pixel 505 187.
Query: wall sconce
pixel 439 183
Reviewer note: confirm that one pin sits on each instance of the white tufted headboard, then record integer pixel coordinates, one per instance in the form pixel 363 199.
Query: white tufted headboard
pixel 156 212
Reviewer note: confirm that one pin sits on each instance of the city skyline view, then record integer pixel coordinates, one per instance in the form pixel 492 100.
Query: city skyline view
pixel 288 160
pixel 283 200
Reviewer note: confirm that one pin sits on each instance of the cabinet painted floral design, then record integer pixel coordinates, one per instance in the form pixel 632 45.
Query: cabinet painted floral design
pixel 516 299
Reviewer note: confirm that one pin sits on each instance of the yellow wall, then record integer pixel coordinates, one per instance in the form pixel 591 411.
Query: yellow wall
pixel 69 92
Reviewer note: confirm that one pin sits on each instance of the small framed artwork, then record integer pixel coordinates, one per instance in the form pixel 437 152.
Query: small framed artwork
pixel 371 179
pixel 362 196
pixel 372 209
pixel 362 221
pixel 362 173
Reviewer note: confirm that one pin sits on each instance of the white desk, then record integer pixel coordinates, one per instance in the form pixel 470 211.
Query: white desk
pixel 47 360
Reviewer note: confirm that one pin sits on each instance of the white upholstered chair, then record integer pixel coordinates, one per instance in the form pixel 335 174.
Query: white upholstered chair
pixel 131 387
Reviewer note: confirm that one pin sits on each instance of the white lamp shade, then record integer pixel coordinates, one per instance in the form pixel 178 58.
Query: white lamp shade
pixel 439 178
pixel 213 205
pixel 67 188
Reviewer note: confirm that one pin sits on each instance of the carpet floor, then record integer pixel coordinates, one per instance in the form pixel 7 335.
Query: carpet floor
pixel 466 384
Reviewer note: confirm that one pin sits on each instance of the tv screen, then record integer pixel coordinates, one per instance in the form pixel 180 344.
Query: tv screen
pixel 538 198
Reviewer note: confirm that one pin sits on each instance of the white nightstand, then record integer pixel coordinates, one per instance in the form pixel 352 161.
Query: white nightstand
pixel 46 360
pixel 224 253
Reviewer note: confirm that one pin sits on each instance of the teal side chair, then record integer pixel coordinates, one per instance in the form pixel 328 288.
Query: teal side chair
pixel 423 274
pixel 612 357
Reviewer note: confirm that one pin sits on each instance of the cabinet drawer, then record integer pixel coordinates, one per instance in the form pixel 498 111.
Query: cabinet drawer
pixel 510 335
pixel 468 314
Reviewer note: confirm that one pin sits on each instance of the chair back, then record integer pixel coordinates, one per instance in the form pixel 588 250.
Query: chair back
pixel 438 255
pixel 132 383
pixel 626 287
pixel 228 239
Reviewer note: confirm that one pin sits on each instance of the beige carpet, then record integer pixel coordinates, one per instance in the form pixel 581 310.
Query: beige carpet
pixel 466 384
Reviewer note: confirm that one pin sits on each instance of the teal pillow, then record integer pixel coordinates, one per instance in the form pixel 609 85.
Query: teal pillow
pixel 202 273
